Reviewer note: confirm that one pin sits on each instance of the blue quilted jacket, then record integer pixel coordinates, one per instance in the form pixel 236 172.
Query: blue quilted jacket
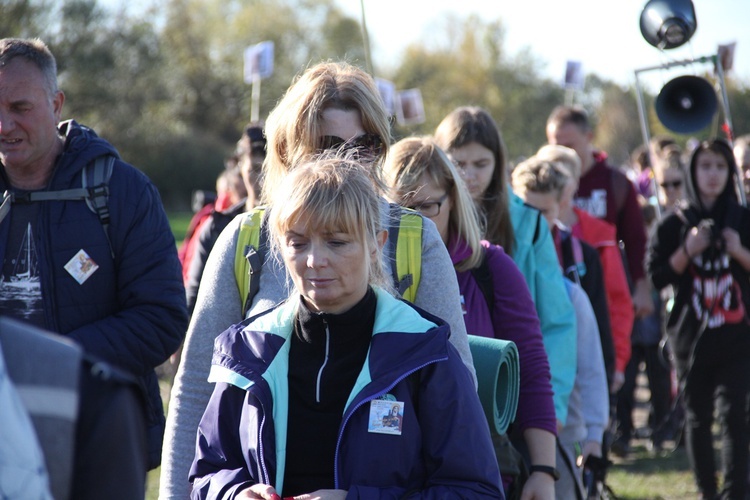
pixel 132 311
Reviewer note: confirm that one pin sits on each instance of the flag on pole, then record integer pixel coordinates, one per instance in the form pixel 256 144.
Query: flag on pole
pixel 387 90
pixel 410 107
pixel 574 75
pixel 258 61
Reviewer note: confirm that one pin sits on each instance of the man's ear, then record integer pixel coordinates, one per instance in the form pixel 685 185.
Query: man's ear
pixel 57 104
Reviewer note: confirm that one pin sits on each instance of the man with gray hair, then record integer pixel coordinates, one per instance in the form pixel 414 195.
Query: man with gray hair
pixel 85 245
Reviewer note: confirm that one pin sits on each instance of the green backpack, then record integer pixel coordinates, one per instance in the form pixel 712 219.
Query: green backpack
pixel 404 248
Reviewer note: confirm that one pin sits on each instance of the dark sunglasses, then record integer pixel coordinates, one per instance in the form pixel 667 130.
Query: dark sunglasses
pixel 673 184
pixel 366 143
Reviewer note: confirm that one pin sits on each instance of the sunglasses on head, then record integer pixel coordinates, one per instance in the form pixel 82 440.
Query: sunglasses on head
pixel 367 143
pixel 672 184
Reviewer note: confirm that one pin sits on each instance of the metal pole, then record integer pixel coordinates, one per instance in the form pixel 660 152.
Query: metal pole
pixel 255 107
pixel 684 62
pixel 645 134
pixel 641 110
pixel 366 39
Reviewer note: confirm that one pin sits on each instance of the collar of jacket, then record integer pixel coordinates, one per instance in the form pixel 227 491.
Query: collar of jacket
pixel 404 338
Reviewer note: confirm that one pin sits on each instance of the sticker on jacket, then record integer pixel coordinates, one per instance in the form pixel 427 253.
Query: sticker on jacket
pixel 81 266
pixel 386 417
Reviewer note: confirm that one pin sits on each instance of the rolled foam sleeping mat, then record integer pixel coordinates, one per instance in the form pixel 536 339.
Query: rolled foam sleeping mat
pixel 497 367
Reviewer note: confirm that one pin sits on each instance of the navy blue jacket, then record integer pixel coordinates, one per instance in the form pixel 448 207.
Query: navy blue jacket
pixel 130 312
pixel 444 450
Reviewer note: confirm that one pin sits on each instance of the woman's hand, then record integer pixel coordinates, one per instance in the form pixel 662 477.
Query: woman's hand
pixel 266 492
pixel 539 486
pixel 321 495
pixel 732 241
pixel 259 491
pixel 697 240
pixel 591 448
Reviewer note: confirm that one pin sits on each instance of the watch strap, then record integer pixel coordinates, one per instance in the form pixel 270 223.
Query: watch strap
pixel 547 469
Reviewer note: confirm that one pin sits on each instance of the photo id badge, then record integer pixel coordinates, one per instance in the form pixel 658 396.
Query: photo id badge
pixel 81 266
pixel 386 417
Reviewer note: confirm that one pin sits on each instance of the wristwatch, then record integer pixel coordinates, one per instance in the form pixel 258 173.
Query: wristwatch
pixel 547 469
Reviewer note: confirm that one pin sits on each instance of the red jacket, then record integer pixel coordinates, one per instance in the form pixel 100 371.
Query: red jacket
pixel 603 236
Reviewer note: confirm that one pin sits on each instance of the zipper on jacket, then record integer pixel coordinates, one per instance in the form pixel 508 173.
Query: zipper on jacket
pixel 364 401
pixel 263 469
pixel 325 362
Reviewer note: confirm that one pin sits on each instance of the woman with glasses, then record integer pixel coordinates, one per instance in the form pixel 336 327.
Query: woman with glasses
pixel 422 177
pixel 472 139
pixel 330 105
pixel 669 174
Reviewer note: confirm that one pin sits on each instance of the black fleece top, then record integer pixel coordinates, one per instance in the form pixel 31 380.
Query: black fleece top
pixel 326 355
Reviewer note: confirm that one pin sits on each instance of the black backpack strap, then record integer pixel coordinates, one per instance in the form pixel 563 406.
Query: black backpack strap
pixel 94 191
pixel 95 183
pixel 483 276
pixel 570 263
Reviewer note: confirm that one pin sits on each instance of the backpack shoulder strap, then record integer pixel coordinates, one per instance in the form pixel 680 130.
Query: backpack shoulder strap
pixel 252 242
pixel 483 276
pixel 95 181
pixel 574 266
pixel 406 241
pixel 94 190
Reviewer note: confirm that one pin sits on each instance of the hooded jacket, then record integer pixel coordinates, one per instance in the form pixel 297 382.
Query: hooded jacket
pixel 444 449
pixel 714 287
pixel 534 254
pixel 131 311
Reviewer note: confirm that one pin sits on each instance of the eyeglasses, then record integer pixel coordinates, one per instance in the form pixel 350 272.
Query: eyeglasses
pixel 371 144
pixel 672 184
pixel 430 209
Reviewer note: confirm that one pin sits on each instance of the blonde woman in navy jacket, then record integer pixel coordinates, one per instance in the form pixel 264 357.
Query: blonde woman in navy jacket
pixel 302 390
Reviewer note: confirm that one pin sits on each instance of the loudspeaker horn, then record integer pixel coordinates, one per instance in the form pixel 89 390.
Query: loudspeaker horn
pixel 686 104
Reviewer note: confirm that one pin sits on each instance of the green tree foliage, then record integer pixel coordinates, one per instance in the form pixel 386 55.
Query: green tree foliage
pixel 738 95
pixel 472 68
pixel 614 113
pixel 23 18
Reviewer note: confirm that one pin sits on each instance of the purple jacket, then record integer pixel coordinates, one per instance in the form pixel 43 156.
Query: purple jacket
pixel 444 449
pixel 516 319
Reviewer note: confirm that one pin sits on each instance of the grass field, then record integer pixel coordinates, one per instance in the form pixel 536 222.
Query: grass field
pixel 645 476
pixel 179 222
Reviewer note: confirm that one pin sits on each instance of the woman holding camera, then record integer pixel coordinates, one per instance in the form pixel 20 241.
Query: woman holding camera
pixel 702 250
